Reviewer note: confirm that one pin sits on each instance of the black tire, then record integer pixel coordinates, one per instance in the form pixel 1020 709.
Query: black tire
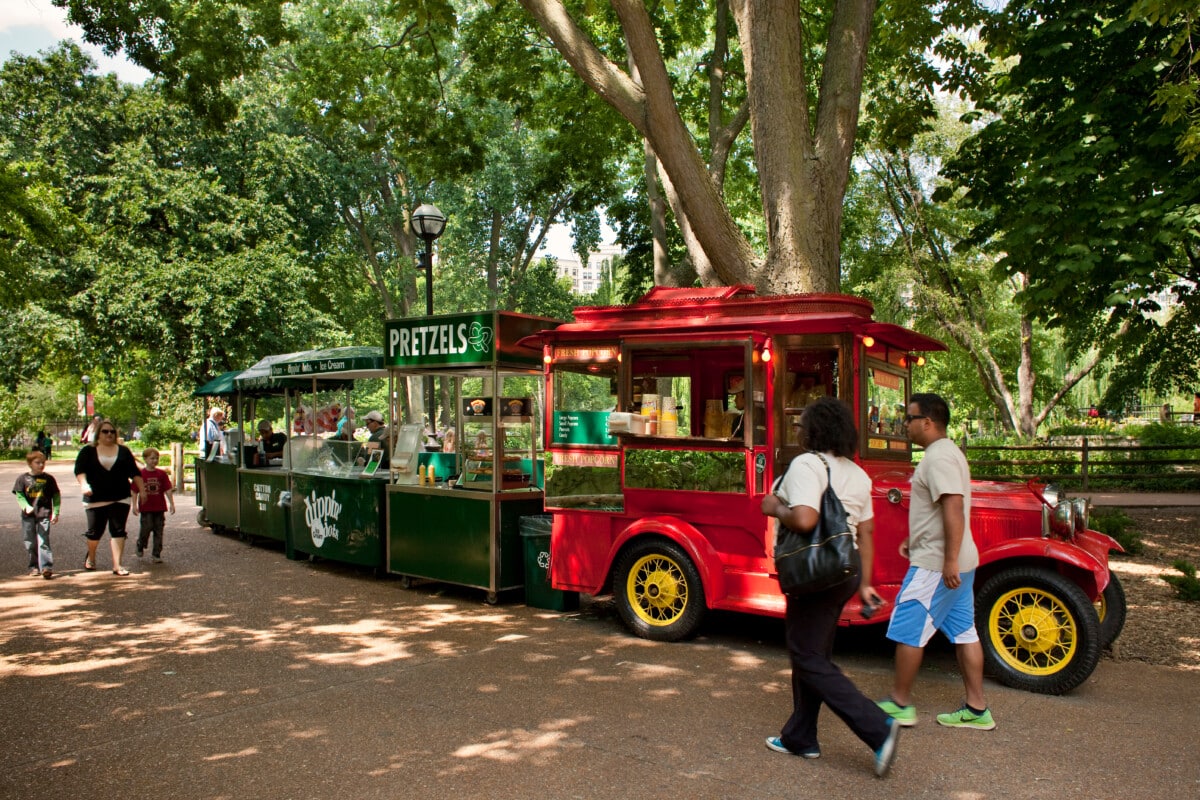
pixel 202 518
pixel 658 591
pixel 1111 610
pixel 1039 630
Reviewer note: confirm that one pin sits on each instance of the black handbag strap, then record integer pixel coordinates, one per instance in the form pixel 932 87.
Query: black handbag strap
pixel 828 472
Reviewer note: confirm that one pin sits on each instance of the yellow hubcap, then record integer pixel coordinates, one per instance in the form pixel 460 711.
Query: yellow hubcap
pixel 657 590
pixel 1032 631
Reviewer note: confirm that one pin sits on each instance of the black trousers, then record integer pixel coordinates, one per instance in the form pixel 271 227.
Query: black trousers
pixel 112 515
pixel 811 625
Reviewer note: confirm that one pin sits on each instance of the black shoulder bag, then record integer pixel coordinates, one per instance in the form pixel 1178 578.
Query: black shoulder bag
pixel 824 557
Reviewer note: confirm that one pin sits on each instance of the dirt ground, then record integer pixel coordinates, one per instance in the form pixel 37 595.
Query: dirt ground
pixel 1160 628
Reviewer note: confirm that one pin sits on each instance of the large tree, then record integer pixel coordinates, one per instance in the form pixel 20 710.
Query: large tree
pixel 804 67
pixel 190 254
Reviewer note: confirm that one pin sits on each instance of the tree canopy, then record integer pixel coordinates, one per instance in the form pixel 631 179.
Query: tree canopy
pixel 1082 183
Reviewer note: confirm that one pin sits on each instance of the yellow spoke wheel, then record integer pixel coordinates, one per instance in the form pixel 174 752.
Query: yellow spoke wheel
pixel 1033 630
pixel 1038 629
pixel 658 590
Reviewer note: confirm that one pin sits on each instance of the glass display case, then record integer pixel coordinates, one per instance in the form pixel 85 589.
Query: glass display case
pixel 334 458
pixel 498 449
pixel 406 450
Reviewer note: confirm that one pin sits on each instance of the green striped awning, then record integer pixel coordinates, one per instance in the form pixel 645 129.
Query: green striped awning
pixel 336 363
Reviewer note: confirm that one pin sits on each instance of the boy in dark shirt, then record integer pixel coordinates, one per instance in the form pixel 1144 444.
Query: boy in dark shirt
pixel 39 498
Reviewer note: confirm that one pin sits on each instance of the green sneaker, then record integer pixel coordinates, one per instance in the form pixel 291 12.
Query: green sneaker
pixel 905 715
pixel 966 718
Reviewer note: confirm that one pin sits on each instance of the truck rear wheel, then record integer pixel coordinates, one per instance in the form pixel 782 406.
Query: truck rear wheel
pixel 1039 630
pixel 658 591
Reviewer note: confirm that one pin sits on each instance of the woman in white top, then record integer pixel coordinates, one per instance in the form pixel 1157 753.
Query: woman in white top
pixel 827 427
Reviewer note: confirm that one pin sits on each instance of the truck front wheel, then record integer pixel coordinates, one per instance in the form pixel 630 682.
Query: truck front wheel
pixel 1039 630
pixel 658 591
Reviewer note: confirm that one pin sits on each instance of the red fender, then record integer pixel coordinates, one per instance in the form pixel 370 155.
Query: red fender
pixel 1059 553
pixel 704 556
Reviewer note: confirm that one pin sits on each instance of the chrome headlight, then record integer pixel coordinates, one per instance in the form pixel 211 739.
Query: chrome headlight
pixel 1083 512
pixel 1062 519
pixel 1051 494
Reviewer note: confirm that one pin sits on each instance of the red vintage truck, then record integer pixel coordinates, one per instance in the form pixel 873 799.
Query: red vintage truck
pixel 668 419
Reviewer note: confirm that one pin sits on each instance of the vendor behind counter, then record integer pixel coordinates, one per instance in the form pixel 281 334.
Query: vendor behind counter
pixel 270 447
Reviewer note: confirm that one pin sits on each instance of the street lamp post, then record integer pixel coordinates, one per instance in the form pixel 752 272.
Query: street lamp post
pixel 84 413
pixel 428 222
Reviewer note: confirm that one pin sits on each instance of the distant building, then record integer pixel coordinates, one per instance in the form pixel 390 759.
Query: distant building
pixel 586 278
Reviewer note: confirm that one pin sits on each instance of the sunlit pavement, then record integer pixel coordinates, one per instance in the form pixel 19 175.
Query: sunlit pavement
pixel 230 672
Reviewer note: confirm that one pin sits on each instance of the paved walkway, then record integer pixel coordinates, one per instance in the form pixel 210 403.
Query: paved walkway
pixel 1142 499
pixel 231 672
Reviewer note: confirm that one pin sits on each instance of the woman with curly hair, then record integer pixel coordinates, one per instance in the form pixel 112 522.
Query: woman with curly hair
pixel 827 431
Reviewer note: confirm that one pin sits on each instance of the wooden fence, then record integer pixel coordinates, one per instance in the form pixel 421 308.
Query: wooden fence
pixel 1086 461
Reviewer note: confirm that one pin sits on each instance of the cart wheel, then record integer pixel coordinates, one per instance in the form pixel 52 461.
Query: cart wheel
pixel 492 598
pixel 658 591
pixel 202 518
pixel 405 582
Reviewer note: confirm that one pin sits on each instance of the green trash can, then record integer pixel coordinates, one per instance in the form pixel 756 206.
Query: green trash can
pixel 535 534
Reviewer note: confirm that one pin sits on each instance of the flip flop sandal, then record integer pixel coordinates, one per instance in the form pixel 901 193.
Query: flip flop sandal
pixel 120 571
pixel 89 564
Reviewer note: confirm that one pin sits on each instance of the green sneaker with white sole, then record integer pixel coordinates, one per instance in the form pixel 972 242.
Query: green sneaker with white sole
pixel 905 715
pixel 966 718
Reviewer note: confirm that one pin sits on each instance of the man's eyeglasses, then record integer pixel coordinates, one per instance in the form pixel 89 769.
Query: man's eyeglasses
pixel 910 417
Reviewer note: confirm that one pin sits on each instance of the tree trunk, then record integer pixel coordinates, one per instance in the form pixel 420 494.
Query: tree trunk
pixel 802 170
pixel 650 107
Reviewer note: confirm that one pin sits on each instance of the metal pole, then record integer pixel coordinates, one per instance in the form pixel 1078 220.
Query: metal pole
pixel 427 265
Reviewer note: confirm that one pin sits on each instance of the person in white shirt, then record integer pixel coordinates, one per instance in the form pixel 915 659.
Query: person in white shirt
pixel 939 590
pixel 212 437
pixel 827 431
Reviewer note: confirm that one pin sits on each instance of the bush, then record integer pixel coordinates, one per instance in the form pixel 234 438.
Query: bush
pixel 1186 585
pixel 160 432
pixel 1117 524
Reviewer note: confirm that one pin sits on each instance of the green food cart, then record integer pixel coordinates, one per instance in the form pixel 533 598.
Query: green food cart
pixel 336 508
pixel 216 479
pixel 262 491
pixel 465 527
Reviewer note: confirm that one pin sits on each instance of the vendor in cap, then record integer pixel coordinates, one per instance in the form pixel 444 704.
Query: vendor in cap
pixel 272 443
pixel 379 435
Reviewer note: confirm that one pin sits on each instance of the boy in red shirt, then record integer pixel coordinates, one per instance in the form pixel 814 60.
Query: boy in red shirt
pixel 153 510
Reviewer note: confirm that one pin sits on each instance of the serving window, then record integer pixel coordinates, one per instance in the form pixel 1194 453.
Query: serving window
pixel 886 393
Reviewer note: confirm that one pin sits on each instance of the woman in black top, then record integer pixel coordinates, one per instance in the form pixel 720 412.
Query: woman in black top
pixel 105 473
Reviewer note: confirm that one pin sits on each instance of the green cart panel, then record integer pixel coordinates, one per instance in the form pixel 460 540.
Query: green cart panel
pixel 339 519
pixel 218 492
pixel 448 536
pixel 262 514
